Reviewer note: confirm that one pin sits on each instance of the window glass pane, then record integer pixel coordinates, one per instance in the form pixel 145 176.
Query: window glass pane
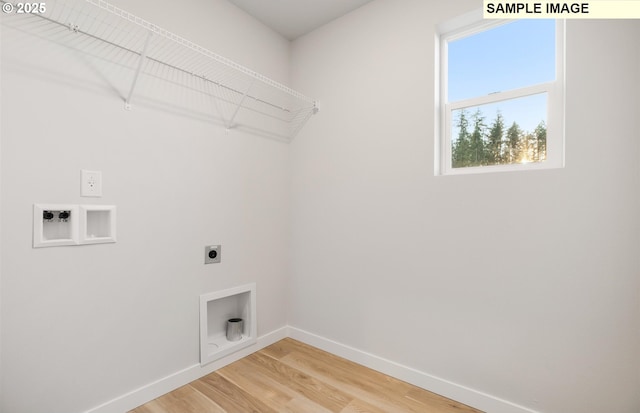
pixel 510 56
pixel 502 133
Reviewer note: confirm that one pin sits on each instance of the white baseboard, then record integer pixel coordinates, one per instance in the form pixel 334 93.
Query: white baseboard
pixel 156 389
pixel 462 394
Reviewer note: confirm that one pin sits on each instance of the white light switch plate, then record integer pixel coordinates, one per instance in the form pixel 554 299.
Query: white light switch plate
pixel 91 183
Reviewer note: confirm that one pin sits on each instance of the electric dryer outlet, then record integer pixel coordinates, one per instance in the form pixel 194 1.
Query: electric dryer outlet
pixel 212 254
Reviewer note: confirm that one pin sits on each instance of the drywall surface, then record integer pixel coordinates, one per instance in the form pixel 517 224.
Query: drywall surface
pixel 83 325
pixel 523 285
pixel 1 386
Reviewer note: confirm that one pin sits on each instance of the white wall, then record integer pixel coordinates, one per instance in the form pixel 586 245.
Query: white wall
pixel 521 285
pixel 83 325
pixel 1 305
pixel 376 240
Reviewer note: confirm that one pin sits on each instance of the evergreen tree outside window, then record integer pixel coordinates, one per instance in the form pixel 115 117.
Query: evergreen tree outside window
pixel 501 95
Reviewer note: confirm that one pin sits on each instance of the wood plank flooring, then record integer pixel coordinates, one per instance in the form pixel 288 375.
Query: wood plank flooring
pixel 292 377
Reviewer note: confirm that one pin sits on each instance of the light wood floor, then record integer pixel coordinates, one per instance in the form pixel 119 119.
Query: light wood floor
pixel 292 377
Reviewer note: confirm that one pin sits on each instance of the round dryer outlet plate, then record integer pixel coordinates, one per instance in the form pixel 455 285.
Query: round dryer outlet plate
pixel 212 254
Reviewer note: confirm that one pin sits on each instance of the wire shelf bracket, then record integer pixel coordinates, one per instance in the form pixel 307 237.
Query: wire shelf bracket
pixel 143 56
pixel 242 97
pixel 237 109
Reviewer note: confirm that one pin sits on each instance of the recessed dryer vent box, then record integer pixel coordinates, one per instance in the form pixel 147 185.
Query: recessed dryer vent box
pixel 55 225
pixel 97 224
pixel 216 308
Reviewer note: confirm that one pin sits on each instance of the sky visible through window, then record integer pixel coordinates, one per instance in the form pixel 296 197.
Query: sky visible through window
pixel 517 54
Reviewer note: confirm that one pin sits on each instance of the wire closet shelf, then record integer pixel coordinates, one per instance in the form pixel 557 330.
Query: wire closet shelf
pixel 242 96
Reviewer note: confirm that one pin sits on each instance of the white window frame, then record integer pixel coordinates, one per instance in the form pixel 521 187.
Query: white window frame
pixel 470 24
